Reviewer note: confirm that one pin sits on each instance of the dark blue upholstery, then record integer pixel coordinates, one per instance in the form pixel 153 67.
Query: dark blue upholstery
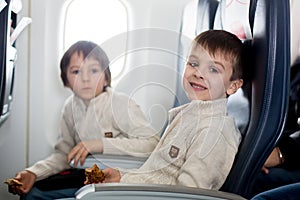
pixel 269 88
pixel 3 48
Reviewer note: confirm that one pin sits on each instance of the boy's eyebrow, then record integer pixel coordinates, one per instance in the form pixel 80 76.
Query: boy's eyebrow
pixel 94 63
pixel 73 66
pixel 213 61
pixel 193 56
pixel 219 63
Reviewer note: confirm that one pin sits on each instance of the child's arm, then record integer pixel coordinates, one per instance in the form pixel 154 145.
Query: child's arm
pixel 57 161
pixel 138 138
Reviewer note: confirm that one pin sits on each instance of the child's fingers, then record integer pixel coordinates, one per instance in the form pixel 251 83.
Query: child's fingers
pixel 107 172
pixel 265 170
pixel 73 152
pixel 78 156
pixel 83 156
pixel 18 177
pixel 111 175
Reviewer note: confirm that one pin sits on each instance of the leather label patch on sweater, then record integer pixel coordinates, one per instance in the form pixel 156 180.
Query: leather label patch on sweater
pixel 174 151
pixel 108 134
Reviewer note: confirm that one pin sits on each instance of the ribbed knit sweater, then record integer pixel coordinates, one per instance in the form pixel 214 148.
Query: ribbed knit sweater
pixel 197 149
pixel 112 117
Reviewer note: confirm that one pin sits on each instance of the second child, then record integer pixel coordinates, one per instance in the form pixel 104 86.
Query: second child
pixel 95 119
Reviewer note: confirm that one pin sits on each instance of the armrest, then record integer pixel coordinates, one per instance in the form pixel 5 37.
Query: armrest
pixel 111 191
pixel 104 161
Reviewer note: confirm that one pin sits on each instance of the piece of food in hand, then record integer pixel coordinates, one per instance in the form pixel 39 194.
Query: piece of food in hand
pixel 94 175
pixel 13 182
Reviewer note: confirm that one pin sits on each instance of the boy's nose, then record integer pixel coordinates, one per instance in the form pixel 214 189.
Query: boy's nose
pixel 198 73
pixel 85 75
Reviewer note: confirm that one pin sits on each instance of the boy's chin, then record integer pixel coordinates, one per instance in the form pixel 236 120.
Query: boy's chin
pixel 195 98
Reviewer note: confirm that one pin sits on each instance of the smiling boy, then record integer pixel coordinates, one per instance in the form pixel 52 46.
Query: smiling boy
pixel 212 71
pixel 200 143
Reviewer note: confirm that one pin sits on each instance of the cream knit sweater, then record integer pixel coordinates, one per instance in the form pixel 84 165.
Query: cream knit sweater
pixel 112 117
pixel 196 150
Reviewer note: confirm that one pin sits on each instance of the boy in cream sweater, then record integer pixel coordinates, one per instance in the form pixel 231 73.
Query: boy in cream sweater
pixel 200 143
pixel 95 119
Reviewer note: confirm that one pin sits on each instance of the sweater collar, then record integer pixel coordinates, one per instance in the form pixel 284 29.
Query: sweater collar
pixel 101 97
pixel 199 107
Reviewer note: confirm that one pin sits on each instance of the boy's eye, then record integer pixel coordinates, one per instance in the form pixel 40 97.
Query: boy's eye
pixel 213 69
pixel 75 71
pixel 192 64
pixel 95 70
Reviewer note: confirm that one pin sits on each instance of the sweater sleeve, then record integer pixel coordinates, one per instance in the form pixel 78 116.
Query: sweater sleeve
pixel 57 161
pixel 207 168
pixel 138 137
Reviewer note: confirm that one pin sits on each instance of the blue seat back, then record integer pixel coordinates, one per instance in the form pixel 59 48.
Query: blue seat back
pixel 268 91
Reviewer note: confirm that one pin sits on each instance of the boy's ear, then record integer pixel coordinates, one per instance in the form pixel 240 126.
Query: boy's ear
pixel 234 86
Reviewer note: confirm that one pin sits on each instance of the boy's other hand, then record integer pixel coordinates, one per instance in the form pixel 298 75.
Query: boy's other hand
pixel 82 149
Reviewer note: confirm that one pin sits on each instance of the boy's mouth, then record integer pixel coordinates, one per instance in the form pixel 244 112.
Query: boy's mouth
pixel 197 86
pixel 86 88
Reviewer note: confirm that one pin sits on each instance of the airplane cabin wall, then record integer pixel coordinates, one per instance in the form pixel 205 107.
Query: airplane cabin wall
pixel 47 93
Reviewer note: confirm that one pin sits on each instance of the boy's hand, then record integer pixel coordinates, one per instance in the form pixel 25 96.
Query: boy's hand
pixel 272 161
pixel 27 180
pixel 82 149
pixel 111 175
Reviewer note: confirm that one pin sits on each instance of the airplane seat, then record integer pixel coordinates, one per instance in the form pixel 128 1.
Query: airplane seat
pixel 270 48
pixel 206 12
pixel 297 61
pixel 7 62
pixel 268 98
pixel 232 16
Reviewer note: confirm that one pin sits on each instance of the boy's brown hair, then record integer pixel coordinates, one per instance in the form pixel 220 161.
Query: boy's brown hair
pixel 226 44
pixel 90 50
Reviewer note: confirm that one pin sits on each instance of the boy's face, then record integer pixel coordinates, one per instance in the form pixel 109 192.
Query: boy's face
pixel 85 77
pixel 207 77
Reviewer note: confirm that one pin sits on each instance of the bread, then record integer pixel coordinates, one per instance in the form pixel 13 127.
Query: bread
pixel 94 175
pixel 13 182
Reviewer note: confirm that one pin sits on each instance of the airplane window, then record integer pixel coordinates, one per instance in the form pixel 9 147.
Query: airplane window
pixel 99 21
